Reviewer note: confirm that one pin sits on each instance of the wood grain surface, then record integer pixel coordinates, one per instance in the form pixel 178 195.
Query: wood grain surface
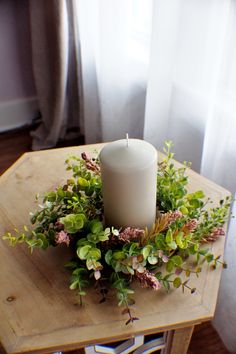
pixel 39 311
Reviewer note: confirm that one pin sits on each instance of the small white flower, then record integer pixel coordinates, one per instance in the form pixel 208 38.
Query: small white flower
pixel 97 274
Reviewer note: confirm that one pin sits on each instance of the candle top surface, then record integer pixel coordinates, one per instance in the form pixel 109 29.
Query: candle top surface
pixel 125 156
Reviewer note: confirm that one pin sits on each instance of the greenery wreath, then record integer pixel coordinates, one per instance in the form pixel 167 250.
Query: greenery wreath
pixel 111 258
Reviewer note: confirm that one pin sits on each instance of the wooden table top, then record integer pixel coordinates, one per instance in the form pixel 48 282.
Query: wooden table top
pixel 39 313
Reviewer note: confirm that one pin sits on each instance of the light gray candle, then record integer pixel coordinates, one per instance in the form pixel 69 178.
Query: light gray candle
pixel 129 172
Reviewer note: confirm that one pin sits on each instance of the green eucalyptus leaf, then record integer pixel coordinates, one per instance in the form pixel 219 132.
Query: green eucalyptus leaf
pixel 103 236
pixel 177 260
pixel 152 260
pixel 172 245
pixel 107 232
pixel 108 257
pixel 130 270
pixel 179 239
pixel 187 272
pixel 191 250
pixel 177 282
pixel 196 247
pixel 80 271
pixel 83 182
pixel 169 266
pixel 166 285
pixel 195 203
pixel 33 218
pixel 146 251
pixel 133 248
pixel 167 276
pixel 94 253
pixel 158 275
pixel 90 264
pixel 74 285
pixel 92 238
pixel 82 293
pixel 160 241
pixel 118 255
pixel 203 251
pixel 117 267
pixel 73 222
pixel 199 194
pixel 82 242
pixel 70 265
pixel 184 244
pixel 169 237
pixel 184 210
pixel 209 258
pixel 51 196
pixel 44 244
pixel 82 252
pixel 96 226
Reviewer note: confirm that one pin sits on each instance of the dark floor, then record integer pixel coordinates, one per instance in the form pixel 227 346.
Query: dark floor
pixel 13 144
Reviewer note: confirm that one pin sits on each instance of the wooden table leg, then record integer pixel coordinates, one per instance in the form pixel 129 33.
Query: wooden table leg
pixel 180 340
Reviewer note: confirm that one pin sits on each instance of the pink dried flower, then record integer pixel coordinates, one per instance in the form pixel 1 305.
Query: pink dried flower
pixel 219 232
pixel 85 156
pixel 174 215
pixel 131 234
pixel 191 225
pixel 161 255
pixel 62 237
pixel 215 234
pixel 148 280
pixel 59 225
pixel 90 164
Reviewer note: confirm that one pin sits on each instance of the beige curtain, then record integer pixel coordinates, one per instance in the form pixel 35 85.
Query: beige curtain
pixel 55 55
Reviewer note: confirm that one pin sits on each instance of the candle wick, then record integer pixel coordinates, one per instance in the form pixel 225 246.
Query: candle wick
pixel 127 140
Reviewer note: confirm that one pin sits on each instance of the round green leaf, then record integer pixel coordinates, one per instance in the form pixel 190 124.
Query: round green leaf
pixel 177 260
pixel 179 239
pixel 118 255
pixel 73 222
pixel 96 226
pixel 169 237
pixel 152 260
pixel 183 210
pixel 82 293
pixel 146 251
pixel 169 266
pixel 94 253
pixel 83 182
pixel 177 282
pixel 82 252
pixel 172 245
pixel 196 247
pixel 199 194
pixel 108 257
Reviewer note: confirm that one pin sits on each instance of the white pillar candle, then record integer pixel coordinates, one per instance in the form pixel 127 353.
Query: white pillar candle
pixel 129 177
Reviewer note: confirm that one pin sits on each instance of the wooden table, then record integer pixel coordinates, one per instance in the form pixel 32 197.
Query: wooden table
pixel 39 314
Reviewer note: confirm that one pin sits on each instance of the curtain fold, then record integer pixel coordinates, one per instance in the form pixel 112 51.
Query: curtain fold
pixel 114 56
pixel 185 67
pixel 225 319
pixel 55 69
